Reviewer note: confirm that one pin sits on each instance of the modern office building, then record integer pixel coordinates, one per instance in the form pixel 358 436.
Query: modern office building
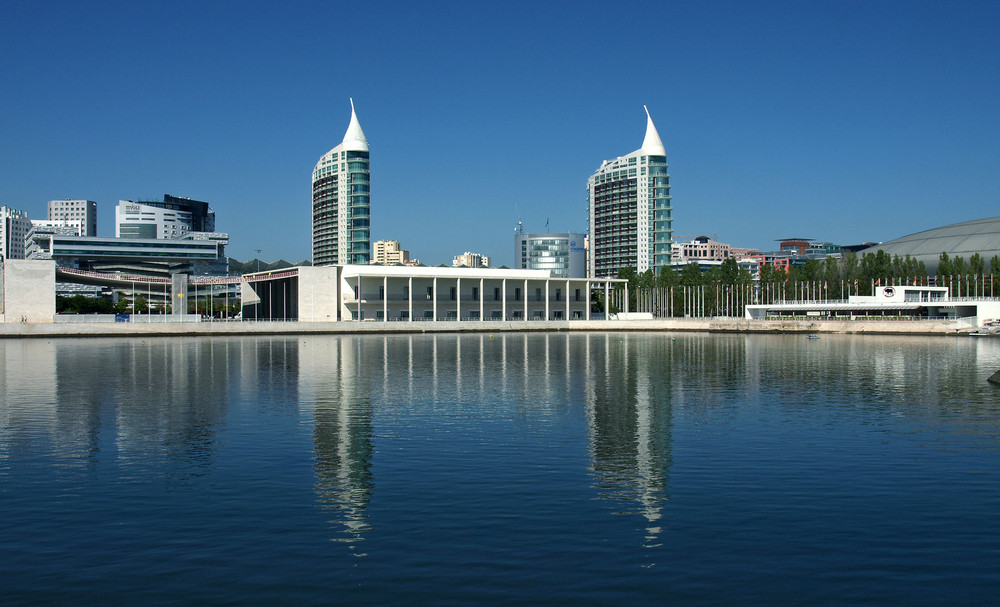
pixel 341 207
pixel 172 218
pixel 388 252
pixel 195 253
pixel 470 260
pixel 37 243
pixel 14 228
pixel 630 214
pixel 75 212
pixel 563 255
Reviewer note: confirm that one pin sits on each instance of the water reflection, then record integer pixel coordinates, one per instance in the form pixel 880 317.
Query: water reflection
pixel 335 383
pixel 629 414
pixel 149 404
pixel 167 407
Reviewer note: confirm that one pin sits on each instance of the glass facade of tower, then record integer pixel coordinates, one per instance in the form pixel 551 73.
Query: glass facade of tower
pixel 658 183
pixel 341 207
pixel 359 205
pixel 630 210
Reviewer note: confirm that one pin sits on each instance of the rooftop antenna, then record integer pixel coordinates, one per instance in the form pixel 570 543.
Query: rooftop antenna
pixel 546 225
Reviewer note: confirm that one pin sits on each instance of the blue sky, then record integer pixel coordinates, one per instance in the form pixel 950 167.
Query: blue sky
pixel 840 121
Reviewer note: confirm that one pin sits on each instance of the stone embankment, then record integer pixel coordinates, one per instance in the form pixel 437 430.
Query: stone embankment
pixel 710 325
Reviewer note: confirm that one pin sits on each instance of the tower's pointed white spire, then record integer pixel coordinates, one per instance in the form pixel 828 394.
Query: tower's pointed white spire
pixel 652 145
pixel 354 138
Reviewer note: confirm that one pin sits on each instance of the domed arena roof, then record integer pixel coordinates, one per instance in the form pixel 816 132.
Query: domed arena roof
pixel 957 240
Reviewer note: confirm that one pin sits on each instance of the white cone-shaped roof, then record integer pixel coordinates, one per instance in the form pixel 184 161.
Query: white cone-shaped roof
pixel 354 138
pixel 651 144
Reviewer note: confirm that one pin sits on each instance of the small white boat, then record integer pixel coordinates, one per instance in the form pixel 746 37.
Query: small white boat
pixel 991 328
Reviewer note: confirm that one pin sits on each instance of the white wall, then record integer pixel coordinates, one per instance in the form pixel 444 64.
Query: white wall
pixel 29 291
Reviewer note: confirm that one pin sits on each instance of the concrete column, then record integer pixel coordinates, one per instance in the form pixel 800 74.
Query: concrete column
pixel 409 291
pixel 178 291
pixel 567 299
pixel 385 298
pixel 481 296
pixel 503 298
pixel 524 299
pixel 434 298
pixel 547 317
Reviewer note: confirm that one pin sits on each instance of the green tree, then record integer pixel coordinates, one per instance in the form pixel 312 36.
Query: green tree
pixel 668 277
pixel 691 275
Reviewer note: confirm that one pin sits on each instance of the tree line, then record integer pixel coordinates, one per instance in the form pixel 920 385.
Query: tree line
pixel 722 288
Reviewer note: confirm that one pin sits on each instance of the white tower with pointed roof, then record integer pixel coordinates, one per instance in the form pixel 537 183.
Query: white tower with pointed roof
pixel 630 220
pixel 341 212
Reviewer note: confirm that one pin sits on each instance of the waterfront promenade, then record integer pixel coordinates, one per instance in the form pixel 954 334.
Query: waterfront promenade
pixel 711 325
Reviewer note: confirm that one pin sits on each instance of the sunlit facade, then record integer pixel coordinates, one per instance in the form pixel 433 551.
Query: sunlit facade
pixel 629 210
pixel 341 207
pixel 561 254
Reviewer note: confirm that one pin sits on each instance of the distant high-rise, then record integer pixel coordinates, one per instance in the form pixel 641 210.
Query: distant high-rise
pixel 82 213
pixel 341 208
pixel 470 260
pixel 388 252
pixel 629 201
pixel 14 227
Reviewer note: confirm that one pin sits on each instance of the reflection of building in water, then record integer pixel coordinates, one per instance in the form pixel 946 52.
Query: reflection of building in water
pixel 27 393
pixel 136 402
pixel 334 381
pixel 629 415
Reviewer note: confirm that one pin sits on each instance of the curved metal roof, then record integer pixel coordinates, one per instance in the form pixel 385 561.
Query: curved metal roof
pixel 957 240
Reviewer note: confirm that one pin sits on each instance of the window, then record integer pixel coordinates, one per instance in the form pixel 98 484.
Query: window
pixel 381 293
pixel 430 293
pixel 475 293
pixel 558 294
pixel 496 294
pixel 578 295
pixel 517 294
pixel 452 293
pixel 538 294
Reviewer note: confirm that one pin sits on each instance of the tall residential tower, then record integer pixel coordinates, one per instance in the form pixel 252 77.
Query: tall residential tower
pixel 341 206
pixel 629 201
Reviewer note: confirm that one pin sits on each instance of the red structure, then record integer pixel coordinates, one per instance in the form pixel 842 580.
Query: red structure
pixel 799 244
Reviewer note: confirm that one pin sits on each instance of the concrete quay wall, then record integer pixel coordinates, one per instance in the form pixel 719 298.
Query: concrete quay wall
pixel 710 325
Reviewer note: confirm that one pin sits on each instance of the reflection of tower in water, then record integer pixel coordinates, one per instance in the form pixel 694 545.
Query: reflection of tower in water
pixel 334 380
pixel 629 416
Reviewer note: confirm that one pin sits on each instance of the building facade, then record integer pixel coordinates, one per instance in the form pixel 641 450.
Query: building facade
pixel 341 204
pixel 563 255
pixel 38 242
pixel 82 213
pixel 409 294
pixel 630 219
pixel 196 253
pixel 172 218
pixel 700 248
pixel 470 260
pixel 14 228
pixel 388 252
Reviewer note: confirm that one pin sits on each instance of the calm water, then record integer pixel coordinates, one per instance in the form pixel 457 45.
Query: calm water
pixel 602 468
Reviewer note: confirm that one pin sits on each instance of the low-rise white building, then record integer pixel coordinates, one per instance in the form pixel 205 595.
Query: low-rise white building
pixel 407 293
pixel 894 301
